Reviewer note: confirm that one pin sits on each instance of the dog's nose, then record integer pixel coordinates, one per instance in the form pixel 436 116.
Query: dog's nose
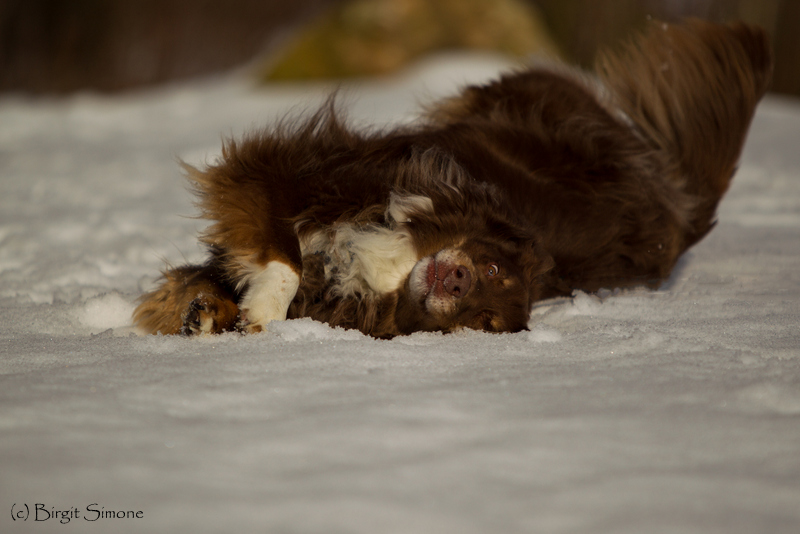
pixel 457 281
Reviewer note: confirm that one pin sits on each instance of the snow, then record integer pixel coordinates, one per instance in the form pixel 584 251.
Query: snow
pixel 675 410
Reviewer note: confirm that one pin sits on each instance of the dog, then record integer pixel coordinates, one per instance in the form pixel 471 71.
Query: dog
pixel 545 181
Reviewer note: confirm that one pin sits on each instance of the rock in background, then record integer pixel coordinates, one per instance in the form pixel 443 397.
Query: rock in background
pixel 369 37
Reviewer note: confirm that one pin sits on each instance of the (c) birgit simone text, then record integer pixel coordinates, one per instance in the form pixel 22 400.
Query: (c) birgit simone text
pixel 92 512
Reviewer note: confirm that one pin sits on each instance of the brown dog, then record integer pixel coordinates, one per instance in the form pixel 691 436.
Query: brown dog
pixel 543 182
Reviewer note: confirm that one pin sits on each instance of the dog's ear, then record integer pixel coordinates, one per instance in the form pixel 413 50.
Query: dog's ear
pixel 536 262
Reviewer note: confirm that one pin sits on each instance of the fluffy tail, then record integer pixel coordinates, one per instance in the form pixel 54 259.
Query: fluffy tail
pixel 691 91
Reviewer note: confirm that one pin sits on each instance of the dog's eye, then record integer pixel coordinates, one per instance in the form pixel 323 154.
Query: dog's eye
pixel 493 269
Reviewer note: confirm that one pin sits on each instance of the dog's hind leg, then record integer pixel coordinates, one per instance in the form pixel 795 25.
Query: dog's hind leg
pixel 191 300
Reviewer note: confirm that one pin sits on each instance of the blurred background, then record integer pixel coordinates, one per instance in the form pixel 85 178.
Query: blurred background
pixel 63 46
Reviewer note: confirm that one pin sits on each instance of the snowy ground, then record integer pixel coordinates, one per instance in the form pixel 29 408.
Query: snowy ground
pixel 640 412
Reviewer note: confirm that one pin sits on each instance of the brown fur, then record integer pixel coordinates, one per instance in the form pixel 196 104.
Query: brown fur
pixel 540 183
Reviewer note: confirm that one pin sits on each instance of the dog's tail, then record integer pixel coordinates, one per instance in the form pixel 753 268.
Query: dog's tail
pixel 691 91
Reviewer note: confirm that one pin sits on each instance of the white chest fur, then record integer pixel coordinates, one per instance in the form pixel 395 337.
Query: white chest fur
pixel 363 259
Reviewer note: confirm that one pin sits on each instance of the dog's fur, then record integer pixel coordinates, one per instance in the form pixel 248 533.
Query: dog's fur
pixel 543 182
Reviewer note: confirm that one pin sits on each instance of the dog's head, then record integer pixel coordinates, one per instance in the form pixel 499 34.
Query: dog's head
pixel 480 284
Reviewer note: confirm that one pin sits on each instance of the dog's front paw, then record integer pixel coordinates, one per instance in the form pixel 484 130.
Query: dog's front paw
pixel 244 325
pixel 271 290
pixel 208 315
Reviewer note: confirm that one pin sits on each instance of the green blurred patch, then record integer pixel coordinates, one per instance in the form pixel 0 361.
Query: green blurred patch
pixel 371 37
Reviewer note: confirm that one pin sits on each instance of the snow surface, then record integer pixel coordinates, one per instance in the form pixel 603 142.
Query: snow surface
pixel 675 410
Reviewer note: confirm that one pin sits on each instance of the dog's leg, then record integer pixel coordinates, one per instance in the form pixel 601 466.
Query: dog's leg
pixel 193 299
pixel 270 290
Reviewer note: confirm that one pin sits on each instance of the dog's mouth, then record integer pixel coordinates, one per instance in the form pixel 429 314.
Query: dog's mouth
pixel 430 276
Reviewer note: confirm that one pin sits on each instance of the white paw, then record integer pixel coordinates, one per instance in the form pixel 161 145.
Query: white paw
pixel 271 290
